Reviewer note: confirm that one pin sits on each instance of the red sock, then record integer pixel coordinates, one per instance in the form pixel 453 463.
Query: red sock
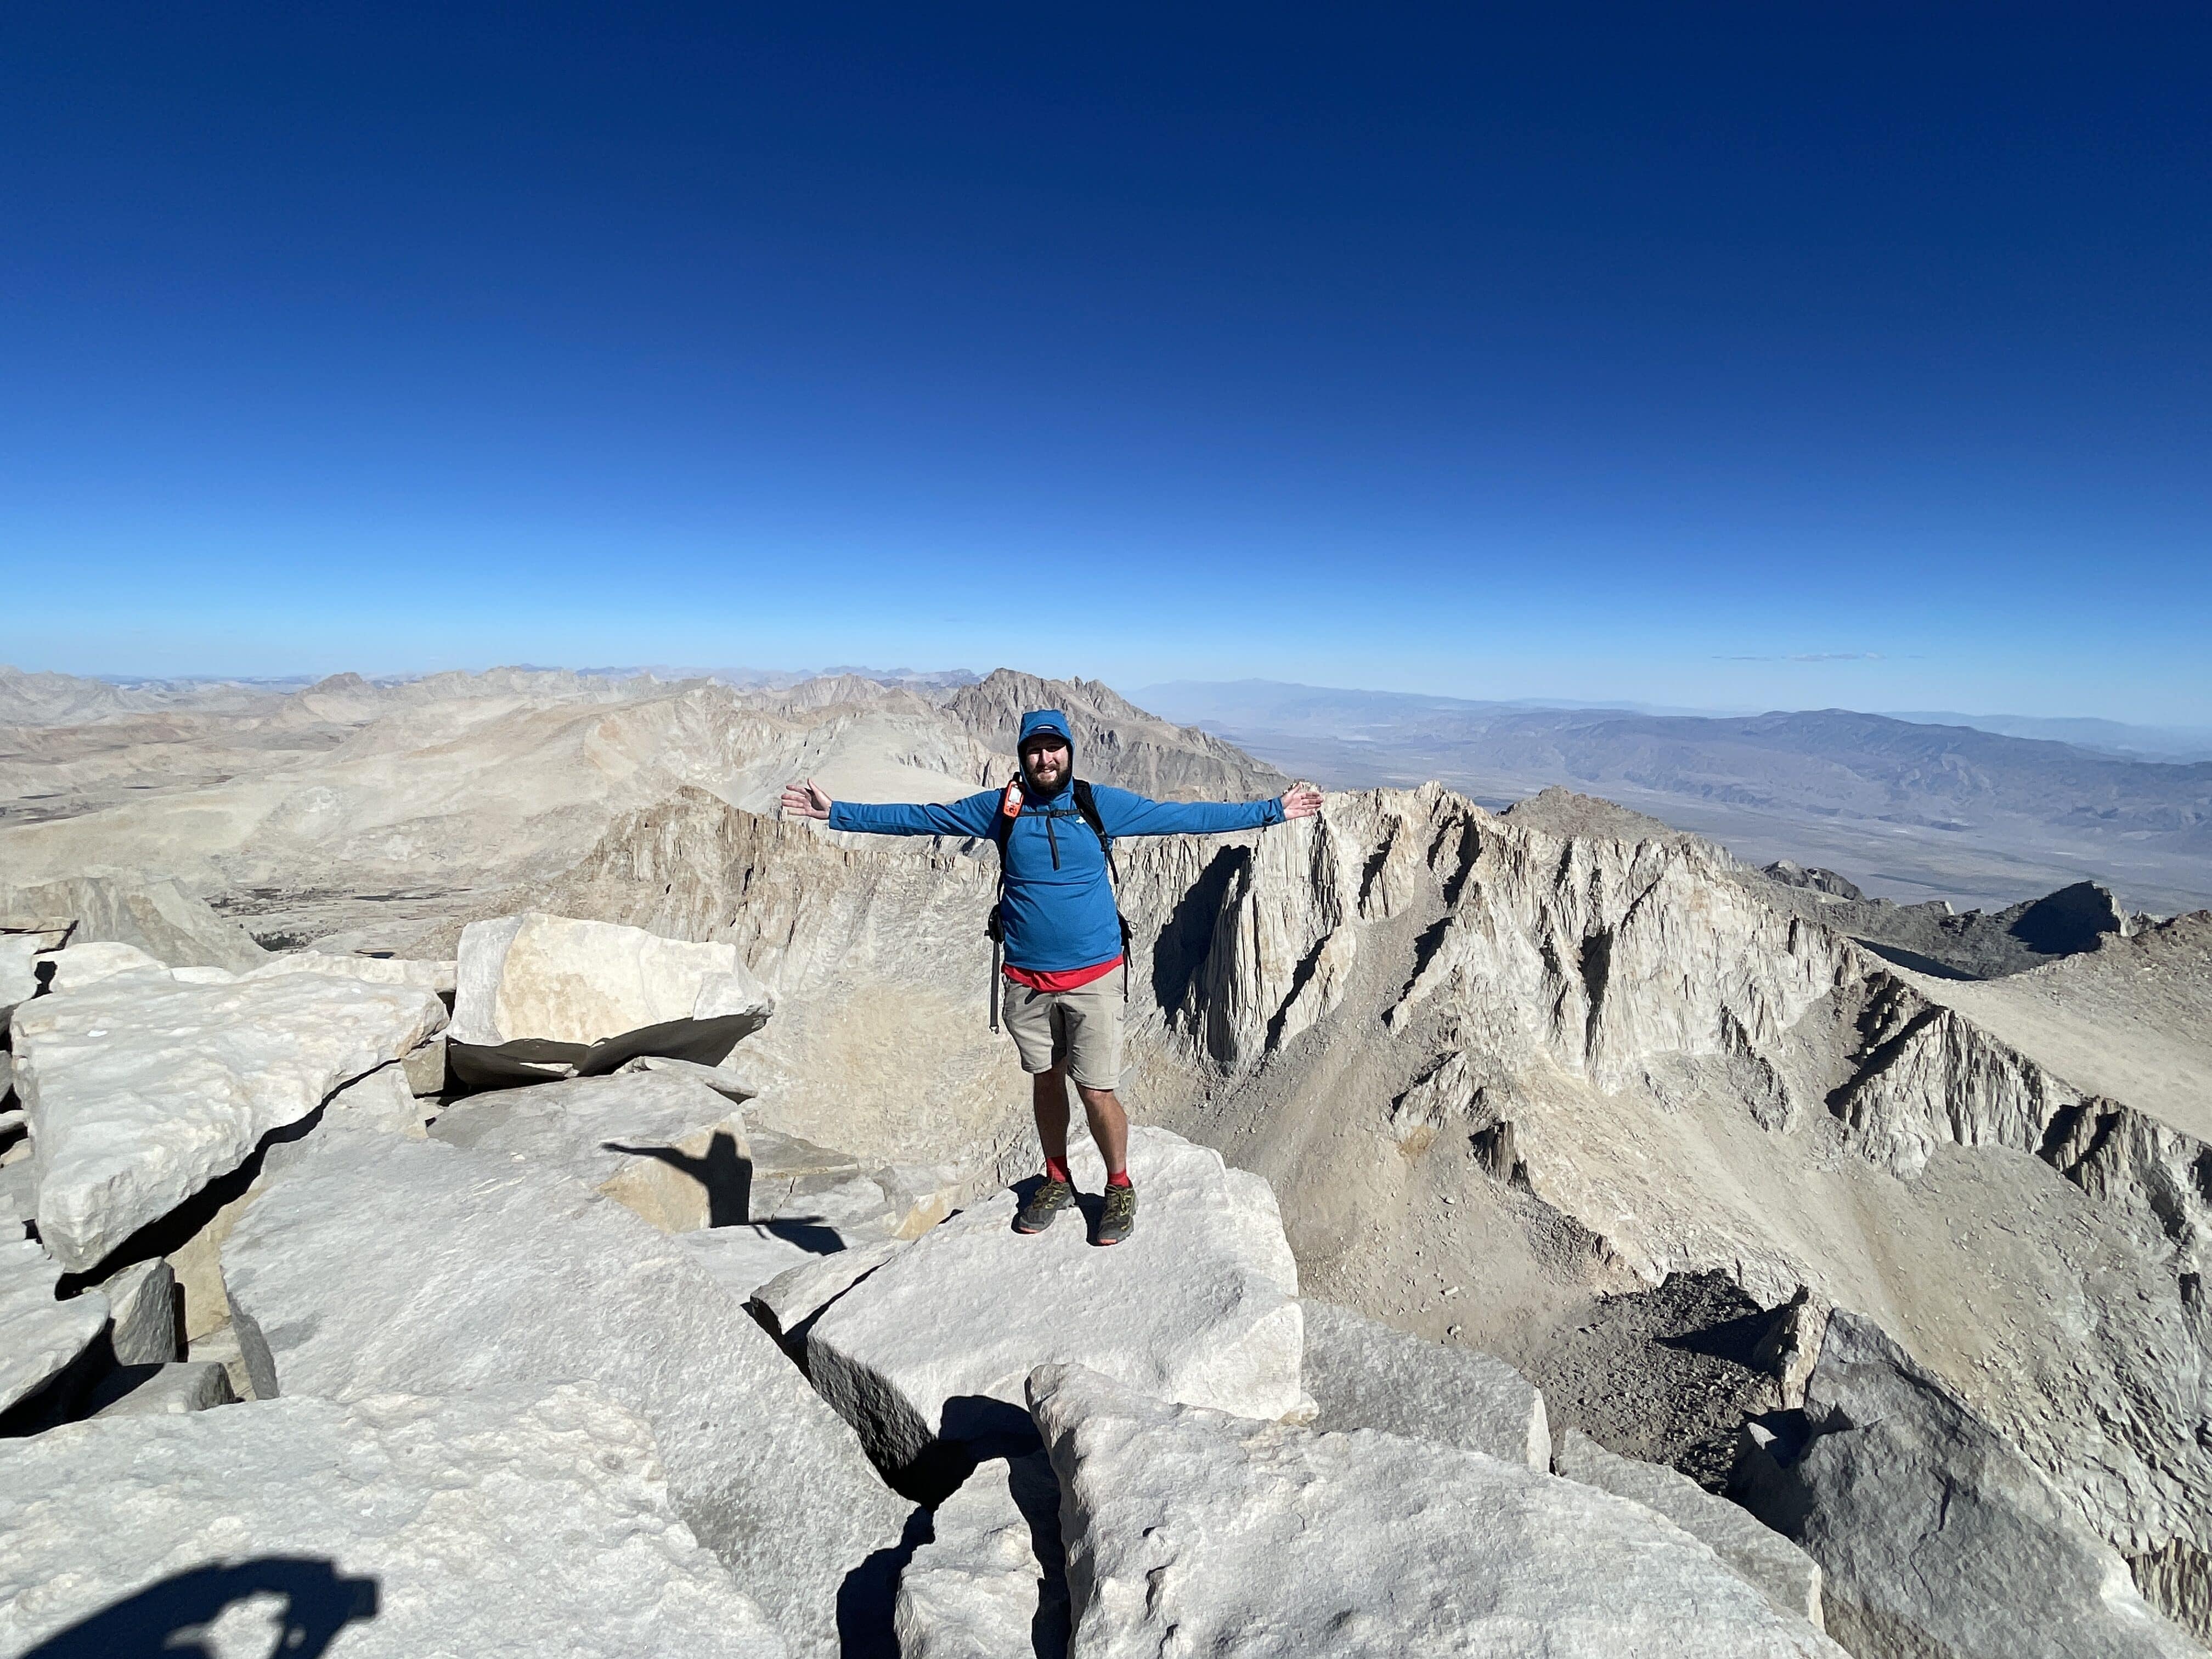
pixel 1119 1178
pixel 1055 1168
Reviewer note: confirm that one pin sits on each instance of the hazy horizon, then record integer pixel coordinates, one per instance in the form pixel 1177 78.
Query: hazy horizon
pixel 2002 722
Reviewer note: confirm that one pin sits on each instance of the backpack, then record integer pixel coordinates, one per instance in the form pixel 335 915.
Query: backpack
pixel 1086 807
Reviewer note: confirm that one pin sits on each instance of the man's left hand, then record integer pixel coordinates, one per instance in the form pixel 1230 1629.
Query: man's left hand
pixel 1301 802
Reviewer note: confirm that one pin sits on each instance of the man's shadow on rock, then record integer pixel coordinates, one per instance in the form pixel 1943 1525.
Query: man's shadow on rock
pixel 164 1620
pixel 726 1174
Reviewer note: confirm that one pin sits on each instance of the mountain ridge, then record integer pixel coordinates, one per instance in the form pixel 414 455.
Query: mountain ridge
pixel 1906 811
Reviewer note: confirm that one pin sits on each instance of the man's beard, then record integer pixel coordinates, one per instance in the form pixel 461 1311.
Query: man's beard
pixel 1030 778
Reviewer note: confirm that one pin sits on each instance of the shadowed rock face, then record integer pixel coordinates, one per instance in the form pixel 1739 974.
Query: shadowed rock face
pixel 1777 1569
pixel 1363 1375
pixel 1980 945
pixel 39 1335
pixel 1935 1536
pixel 990 1583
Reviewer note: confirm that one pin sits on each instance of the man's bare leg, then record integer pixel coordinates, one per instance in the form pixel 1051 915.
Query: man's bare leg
pixel 1110 1129
pixel 1055 1193
pixel 1048 1100
pixel 1110 1126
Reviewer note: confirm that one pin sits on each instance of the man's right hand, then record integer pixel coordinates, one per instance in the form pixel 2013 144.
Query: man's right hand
pixel 806 800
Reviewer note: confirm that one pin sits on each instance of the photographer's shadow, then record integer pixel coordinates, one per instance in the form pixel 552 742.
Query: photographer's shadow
pixel 163 1620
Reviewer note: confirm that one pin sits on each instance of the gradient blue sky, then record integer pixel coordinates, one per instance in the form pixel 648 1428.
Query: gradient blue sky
pixel 1732 355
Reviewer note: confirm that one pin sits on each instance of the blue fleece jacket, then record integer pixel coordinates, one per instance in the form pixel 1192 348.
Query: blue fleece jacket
pixel 1059 906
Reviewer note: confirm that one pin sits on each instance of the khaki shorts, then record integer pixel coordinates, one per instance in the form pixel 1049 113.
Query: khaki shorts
pixel 1082 1026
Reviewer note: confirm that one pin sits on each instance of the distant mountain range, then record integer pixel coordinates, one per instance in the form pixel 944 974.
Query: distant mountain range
pixel 2170 743
pixel 1906 808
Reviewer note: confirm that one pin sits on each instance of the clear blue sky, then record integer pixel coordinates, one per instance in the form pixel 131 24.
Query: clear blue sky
pixel 1766 355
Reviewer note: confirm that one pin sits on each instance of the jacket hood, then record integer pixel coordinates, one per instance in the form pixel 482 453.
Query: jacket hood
pixel 1046 720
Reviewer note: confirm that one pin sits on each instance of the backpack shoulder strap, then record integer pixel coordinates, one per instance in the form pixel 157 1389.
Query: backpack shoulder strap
pixel 1001 828
pixel 1087 803
pixel 994 924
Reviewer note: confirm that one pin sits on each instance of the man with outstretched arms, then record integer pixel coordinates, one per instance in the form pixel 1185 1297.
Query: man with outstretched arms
pixel 1066 955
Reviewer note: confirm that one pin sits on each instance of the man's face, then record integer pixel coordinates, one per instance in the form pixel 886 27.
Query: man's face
pixel 1045 756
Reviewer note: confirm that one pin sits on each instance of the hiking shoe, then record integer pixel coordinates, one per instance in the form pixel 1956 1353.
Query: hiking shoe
pixel 1118 1219
pixel 1050 1197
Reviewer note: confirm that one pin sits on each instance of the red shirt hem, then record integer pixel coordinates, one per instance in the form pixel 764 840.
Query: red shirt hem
pixel 1064 979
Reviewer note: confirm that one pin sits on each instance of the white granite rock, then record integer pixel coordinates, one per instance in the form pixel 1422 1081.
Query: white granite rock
pixel 1364 1375
pixel 18 979
pixel 142 1303
pixel 200 974
pixel 1201 1304
pixel 40 1336
pixel 787 1170
pixel 989 1584
pixel 381 1104
pixel 1193 1531
pixel 794 1295
pixel 896 1200
pixel 719 1079
pixel 76 966
pixel 140 1090
pixel 220 1347
pixel 921 1194
pixel 19 1191
pixel 365 1105
pixel 1765 1559
pixel 744 1258
pixel 854 1208
pixel 373 970
pixel 167 1390
pixel 566 980
pixel 380 1101
pixel 425 1067
pixel 522 1522
pixel 1934 1535
pixel 667 1146
pixel 153 913
pixel 382 1264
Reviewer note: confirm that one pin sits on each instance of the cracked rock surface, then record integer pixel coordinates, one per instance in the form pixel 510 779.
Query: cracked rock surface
pixel 140 1090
